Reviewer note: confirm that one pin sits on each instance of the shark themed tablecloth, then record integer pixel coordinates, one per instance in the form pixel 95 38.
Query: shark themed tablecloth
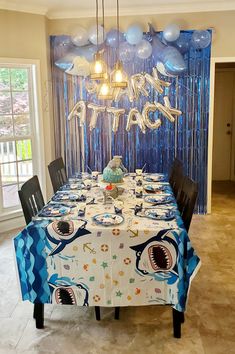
pixel 75 260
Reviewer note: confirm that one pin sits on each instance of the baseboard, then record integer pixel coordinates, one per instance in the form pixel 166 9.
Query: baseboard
pixel 11 224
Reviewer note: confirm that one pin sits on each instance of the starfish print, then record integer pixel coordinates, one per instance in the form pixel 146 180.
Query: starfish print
pixel 118 293
pixel 104 265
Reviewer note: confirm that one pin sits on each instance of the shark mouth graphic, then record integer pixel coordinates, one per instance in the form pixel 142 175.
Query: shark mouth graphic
pixel 63 228
pixel 160 257
pixel 65 296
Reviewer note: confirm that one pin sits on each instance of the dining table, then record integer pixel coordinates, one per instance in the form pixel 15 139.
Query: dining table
pixel 87 248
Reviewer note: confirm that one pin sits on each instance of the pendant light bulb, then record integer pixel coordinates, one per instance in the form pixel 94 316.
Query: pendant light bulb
pixel 105 91
pixel 118 76
pixel 98 68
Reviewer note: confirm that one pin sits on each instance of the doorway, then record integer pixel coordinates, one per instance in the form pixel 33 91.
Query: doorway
pixel 223 166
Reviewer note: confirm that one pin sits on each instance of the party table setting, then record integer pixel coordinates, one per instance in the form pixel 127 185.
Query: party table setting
pixel 100 243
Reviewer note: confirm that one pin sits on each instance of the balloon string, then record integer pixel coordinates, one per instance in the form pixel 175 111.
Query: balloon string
pixel 103 17
pixel 97 10
pixel 118 28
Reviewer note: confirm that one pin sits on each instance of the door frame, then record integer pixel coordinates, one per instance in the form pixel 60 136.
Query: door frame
pixel 214 61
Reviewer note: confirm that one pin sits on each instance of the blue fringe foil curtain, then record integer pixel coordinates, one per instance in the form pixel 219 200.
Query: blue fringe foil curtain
pixel 187 138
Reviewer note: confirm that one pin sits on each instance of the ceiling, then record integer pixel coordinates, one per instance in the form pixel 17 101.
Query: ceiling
pixel 86 8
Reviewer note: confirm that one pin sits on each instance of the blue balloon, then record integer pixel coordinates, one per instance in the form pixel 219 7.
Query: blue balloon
pixel 201 39
pixel 134 34
pixel 112 38
pixel 171 58
pixel 182 43
pixel 126 52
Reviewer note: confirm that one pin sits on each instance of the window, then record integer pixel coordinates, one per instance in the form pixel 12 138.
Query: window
pixel 17 125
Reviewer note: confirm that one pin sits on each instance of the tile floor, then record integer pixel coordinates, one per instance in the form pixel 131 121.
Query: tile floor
pixel 210 320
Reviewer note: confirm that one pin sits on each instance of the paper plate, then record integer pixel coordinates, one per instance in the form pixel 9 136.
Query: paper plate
pixel 54 210
pixel 158 199
pixel 108 219
pixel 157 214
pixel 154 178
pixel 153 188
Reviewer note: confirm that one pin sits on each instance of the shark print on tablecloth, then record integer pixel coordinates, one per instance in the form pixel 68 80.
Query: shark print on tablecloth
pixel 64 291
pixel 157 257
pixel 61 233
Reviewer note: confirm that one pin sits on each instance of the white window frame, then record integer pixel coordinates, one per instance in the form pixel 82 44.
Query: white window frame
pixel 36 122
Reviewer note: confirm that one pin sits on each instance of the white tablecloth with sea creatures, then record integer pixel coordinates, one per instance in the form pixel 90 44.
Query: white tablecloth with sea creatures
pixel 144 257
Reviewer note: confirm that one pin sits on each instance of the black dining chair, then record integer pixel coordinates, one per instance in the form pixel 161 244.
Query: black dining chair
pixel 32 202
pixel 31 198
pixel 57 173
pixel 187 200
pixel 176 177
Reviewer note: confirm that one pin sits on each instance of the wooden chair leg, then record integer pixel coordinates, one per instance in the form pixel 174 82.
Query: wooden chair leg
pixel 97 313
pixel 38 314
pixel 117 313
pixel 177 320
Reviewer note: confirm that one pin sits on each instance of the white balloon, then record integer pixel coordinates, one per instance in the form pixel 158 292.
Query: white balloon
pixel 92 34
pixel 171 33
pixel 80 37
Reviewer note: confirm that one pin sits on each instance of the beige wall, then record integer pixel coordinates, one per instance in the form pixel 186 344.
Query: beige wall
pixel 25 36
pixel 222 22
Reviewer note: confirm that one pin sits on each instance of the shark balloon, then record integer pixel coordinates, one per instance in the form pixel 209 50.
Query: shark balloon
pixel 169 56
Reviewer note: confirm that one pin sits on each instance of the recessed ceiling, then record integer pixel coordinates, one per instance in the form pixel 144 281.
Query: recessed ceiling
pixel 86 8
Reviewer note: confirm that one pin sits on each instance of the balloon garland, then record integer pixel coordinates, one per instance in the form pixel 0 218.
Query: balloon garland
pixel 168 61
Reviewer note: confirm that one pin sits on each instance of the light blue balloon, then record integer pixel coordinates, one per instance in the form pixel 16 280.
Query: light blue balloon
pixel 143 49
pixel 171 32
pixel 182 43
pixel 126 52
pixel 201 39
pixel 134 34
pixel 112 38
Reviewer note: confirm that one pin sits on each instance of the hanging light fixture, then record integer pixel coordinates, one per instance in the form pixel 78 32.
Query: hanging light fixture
pixel 105 90
pixel 118 75
pixel 98 67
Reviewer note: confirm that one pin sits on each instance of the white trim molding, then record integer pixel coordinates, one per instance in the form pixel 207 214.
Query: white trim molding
pixel 13 218
pixel 74 9
pixel 214 61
